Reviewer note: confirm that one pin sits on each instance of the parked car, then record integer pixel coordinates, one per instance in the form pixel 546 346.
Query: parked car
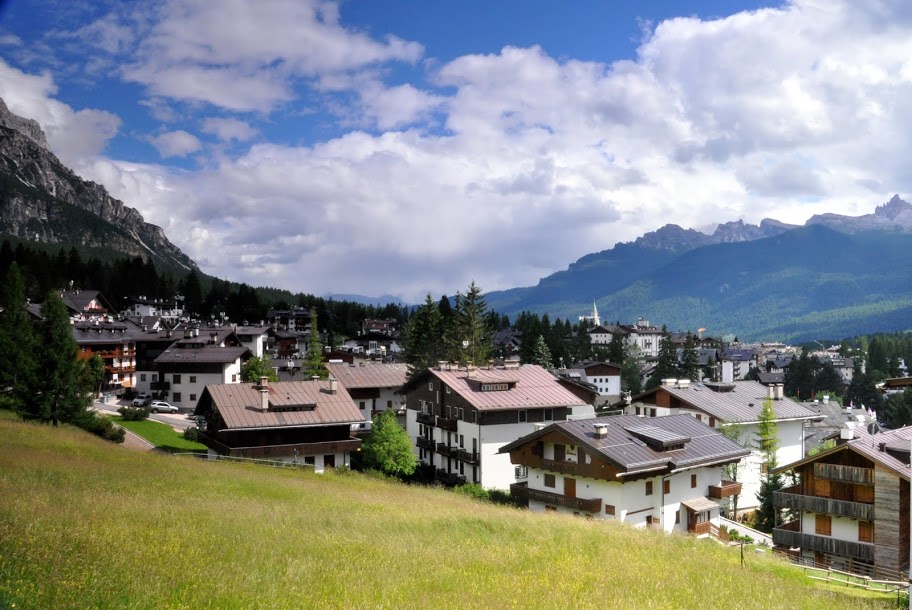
pixel 160 406
pixel 141 400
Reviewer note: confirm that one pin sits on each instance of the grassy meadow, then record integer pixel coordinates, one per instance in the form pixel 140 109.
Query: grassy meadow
pixel 89 524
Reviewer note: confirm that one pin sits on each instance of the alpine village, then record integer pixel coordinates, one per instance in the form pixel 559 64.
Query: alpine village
pixel 172 439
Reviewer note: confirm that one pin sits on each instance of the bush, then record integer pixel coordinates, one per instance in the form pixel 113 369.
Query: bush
pixel 473 490
pixel 191 433
pixel 134 413
pixel 103 427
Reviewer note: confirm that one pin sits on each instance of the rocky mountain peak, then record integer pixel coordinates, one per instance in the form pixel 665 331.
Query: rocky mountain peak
pixel 27 127
pixel 893 208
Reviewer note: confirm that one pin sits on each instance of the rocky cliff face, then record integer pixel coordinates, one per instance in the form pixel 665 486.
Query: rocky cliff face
pixel 42 200
pixel 674 238
pixel 895 215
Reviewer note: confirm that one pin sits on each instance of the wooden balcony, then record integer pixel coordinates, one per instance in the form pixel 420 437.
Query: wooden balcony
pixel 447 423
pixel 444 449
pixel 467 456
pixel 449 478
pixel 792 499
pixel 563 467
pixel 160 386
pixel 724 490
pixel 426 418
pixel 787 535
pixel 425 443
pixel 522 491
pixel 845 474
pixel 267 452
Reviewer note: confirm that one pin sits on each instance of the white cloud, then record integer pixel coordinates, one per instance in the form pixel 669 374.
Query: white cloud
pixel 228 129
pixel 175 143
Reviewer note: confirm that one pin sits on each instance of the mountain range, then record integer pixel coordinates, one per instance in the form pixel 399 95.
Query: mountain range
pixel 835 276
pixel 43 201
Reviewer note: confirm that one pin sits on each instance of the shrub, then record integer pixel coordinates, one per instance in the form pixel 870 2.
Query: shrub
pixel 473 490
pixel 134 413
pixel 191 433
pixel 103 427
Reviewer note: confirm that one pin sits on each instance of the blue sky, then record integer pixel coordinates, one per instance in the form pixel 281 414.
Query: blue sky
pixel 403 147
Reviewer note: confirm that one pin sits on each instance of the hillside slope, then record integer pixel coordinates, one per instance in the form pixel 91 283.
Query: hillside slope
pixel 86 524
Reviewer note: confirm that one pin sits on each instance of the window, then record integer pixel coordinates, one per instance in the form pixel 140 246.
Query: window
pixel 154 376
pixel 474 474
pixel 461 414
pixel 193 398
pixel 520 472
pixel 523 416
pixel 609 509
pixel 462 468
pixel 420 429
pixel 430 386
pixel 549 414
pixel 823 525
pixel 176 379
pixel 309 459
pixel 648 488
pixel 474 417
pixel 421 454
pixel 177 397
pixel 678 516
pixel 638 411
pixel 712 422
pixel 693 480
pixel 652 412
pixel 461 441
pixel 865 531
pixel 448 389
pixel 361 404
pixel 192 378
pixel 666 486
pixel 234 378
pixel 389 404
pixel 549 481
pixel 474 445
pixel 142 376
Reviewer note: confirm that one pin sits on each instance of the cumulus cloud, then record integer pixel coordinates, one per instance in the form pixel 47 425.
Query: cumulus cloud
pixel 499 167
pixel 175 143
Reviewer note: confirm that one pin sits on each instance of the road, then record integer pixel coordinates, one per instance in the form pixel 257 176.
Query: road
pixel 178 421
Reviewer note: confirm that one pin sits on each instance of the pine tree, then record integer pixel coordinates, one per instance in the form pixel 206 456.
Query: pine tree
pixel 767 442
pixel 313 360
pixel 667 364
pixel 735 432
pixel 542 354
pixel 470 335
pixel 388 448
pixel 422 340
pixel 616 349
pixel 690 362
pixel 59 396
pixel 17 342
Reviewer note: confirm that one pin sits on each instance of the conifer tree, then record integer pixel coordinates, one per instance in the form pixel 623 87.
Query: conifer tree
pixel 667 364
pixel 422 341
pixel 767 442
pixel 59 395
pixel 313 360
pixel 616 349
pixel 470 334
pixel 17 342
pixel 542 354
pixel 690 362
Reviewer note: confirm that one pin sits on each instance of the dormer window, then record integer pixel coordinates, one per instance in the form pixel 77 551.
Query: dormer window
pixel 495 387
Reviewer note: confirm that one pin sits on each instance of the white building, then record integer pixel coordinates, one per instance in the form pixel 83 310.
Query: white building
pixel 733 404
pixel 374 387
pixel 459 418
pixel 604 376
pixel 664 473
pixel 253 338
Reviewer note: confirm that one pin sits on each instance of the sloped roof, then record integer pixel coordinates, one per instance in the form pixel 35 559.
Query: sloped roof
pixel 742 404
pixel 239 404
pixel 532 387
pixel 369 375
pixel 102 332
pixel 622 447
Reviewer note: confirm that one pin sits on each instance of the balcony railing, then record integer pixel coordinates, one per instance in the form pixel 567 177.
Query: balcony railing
pixel 787 536
pixel 425 418
pixel 444 449
pixel 592 505
pixel 467 456
pixel 789 497
pixel 425 443
pixel 725 489
pixel 845 474
pixel 159 386
pixel 447 423
pixel 561 467
pixel 449 478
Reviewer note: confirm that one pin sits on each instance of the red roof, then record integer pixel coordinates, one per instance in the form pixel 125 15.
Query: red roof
pixel 530 386
pixel 369 375
pixel 239 404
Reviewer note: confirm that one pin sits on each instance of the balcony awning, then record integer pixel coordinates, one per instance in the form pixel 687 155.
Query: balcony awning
pixel 698 505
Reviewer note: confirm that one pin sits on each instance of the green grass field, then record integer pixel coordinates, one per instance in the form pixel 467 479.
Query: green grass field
pixel 161 435
pixel 89 524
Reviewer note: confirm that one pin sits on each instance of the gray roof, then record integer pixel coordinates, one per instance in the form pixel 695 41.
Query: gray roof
pixel 742 404
pixel 625 447
pixel 205 354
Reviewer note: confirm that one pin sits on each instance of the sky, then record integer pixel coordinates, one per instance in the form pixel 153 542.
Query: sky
pixel 406 147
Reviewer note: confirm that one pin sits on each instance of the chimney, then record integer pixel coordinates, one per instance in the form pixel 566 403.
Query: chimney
pixel 601 430
pixel 771 392
pixel 264 393
pixel 214 337
pixel 333 385
pixel 780 392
